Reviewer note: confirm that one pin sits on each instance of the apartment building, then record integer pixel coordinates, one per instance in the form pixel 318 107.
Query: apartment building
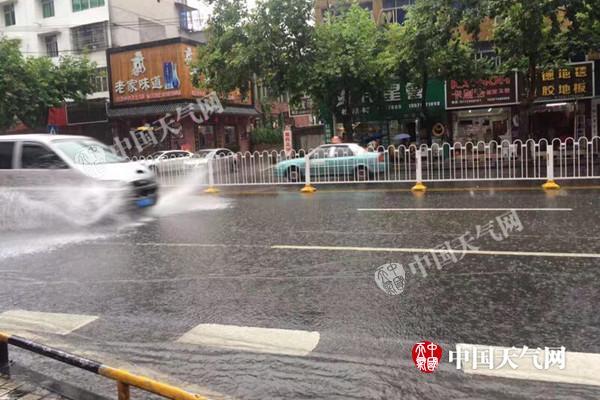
pixel 76 27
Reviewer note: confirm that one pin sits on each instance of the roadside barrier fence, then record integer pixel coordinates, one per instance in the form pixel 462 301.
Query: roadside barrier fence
pixel 125 380
pixel 345 164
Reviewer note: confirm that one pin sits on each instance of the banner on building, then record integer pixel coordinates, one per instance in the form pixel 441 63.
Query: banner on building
pixel 490 92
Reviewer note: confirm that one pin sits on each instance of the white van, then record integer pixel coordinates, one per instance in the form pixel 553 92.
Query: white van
pixel 45 164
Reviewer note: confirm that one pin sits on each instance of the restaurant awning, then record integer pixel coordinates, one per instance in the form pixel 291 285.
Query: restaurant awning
pixel 171 108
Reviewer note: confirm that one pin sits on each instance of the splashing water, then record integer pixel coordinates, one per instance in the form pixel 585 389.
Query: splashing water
pixel 184 196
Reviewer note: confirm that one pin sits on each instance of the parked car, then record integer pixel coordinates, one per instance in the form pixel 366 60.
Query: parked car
pixel 339 160
pixel 223 159
pixel 168 161
pixel 43 164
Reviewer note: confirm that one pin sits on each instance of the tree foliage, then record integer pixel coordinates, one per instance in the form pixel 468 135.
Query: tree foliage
pixel 222 65
pixel 32 85
pixel 429 45
pixel 346 64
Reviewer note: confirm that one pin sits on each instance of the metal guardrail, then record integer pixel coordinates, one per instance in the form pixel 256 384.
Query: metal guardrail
pixel 477 161
pixel 124 379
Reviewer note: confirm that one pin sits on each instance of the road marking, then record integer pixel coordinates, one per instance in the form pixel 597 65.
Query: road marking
pixel 459 209
pixel 258 340
pixel 580 368
pixel 60 324
pixel 437 251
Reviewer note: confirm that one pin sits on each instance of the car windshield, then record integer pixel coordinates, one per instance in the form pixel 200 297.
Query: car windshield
pixel 157 154
pixel 82 152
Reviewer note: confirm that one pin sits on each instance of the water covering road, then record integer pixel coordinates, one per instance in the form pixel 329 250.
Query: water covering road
pixel 211 260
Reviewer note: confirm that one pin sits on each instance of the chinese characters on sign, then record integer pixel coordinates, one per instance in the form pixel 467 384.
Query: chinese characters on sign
pixel 497 90
pixel 287 141
pixel 427 356
pixel 494 358
pixel 152 73
pixel 574 80
pixel 391 278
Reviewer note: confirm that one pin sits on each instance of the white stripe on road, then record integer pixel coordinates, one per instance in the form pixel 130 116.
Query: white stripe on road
pixel 258 340
pixel 437 251
pixel 461 209
pixel 60 324
pixel 580 368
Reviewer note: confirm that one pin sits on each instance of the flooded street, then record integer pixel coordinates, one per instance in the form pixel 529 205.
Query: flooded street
pixel 274 295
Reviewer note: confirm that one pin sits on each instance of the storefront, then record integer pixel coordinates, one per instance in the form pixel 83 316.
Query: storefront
pixel 564 104
pixel 151 86
pixel 484 110
pixel 399 114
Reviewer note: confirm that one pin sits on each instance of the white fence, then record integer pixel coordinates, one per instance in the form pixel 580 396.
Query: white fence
pixel 340 164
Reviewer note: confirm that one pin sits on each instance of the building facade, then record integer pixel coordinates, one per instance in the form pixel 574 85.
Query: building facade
pixel 54 28
pixel 151 90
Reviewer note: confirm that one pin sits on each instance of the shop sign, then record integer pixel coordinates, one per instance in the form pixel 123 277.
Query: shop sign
pixel 404 99
pixel 287 141
pixel 494 91
pixel 401 101
pixel 303 107
pixel 571 81
pixel 148 74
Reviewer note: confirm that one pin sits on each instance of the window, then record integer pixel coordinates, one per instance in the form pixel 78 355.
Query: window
pixel 47 8
pixel 80 5
pixel 100 80
pixel 51 46
pixel 9 15
pixel 90 37
pixel 343 151
pixel 39 157
pixel 320 153
pixel 205 137
pixel 6 154
pixel 230 135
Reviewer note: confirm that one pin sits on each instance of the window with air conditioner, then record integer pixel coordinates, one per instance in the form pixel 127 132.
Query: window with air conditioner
pixel 91 37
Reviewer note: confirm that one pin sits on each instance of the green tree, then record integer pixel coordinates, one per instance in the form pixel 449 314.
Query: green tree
pixel 223 64
pixel 534 34
pixel 280 43
pixel 429 45
pixel 346 64
pixel 32 85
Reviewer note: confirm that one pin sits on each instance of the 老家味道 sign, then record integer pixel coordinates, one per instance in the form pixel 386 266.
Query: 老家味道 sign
pixel 152 72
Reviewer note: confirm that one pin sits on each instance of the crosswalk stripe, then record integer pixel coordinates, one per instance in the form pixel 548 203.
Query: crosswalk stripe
pixel 14 321
pixel 580 368
pixel 258 340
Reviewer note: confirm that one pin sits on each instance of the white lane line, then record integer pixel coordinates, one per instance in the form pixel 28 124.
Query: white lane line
pixel 461 209
pixel 580 368
pixel 437 251
pixel 60 324
pixel 257 340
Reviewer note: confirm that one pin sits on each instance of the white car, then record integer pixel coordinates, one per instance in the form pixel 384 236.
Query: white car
pixel 167 161
pixel 223 159
pixel 61 165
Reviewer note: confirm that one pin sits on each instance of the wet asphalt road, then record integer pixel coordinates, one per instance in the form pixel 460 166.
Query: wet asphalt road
pixel 199 259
